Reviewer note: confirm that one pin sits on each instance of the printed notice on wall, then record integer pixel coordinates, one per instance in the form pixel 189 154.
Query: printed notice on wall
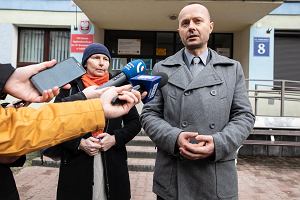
pixel 224 51
pixel 261 46
pixel 129 46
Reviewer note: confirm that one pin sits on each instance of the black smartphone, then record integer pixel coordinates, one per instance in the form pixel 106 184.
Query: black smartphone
pixel 58 75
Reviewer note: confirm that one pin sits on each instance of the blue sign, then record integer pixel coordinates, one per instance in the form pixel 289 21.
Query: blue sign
pixel 261 46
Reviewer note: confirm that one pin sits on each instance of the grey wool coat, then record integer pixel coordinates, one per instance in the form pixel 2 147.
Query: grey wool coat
pixel 214 103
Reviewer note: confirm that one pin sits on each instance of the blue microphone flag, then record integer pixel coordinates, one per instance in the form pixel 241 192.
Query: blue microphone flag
pixel 148 83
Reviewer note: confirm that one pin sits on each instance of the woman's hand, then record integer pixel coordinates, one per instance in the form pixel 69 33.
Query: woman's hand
pixel 107 141
pixel 20 86
pixel 92 92
pixel 90 146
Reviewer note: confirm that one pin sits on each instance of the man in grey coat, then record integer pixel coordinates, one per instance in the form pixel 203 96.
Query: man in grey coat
pixel 199 119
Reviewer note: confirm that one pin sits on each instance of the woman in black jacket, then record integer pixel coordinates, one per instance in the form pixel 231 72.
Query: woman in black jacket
pixel 81 174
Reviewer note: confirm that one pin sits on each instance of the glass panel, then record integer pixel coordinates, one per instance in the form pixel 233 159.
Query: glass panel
pixel 31 45
pixel 223 44
pixel 59 45
pixel 164 44
pixel 179 44
pixel 118 63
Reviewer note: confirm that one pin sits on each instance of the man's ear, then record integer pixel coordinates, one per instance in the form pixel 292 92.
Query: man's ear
pixel 211 26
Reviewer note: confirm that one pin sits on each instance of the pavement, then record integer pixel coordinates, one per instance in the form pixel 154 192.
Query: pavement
pixel 260 178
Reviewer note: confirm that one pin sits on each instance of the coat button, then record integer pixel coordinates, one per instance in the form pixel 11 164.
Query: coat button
pixel 212 126
pixel 184 124
pixel 187 93
pixel 213 92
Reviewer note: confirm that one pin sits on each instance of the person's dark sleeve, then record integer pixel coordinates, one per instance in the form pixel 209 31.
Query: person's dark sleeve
pixel 63 96
pixel 6 71
pixel 19 162
pixel 132 127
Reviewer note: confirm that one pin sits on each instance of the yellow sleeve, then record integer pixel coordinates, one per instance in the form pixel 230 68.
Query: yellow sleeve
pixel 27 129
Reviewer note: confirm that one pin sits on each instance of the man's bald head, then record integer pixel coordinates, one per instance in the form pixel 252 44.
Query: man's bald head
pixel 194 6
pixel 194 27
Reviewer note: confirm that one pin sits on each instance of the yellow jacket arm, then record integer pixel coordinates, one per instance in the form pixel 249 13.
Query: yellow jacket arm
pixel 27 129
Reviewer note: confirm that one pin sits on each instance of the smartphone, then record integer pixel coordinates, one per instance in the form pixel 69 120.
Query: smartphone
pixel 58 75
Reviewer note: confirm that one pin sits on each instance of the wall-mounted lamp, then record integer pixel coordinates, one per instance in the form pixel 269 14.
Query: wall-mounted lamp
pixel 173 17
pixel 268 30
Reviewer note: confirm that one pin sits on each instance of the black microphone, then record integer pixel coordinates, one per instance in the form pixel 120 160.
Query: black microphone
pixel 132 69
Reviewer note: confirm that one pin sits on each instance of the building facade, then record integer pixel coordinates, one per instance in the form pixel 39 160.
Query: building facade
pixel 263 35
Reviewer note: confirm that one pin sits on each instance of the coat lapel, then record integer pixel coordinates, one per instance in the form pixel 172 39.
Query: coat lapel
pixel 207 77
pixel 180 76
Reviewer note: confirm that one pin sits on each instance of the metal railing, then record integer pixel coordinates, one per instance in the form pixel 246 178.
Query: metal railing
pixel 271 90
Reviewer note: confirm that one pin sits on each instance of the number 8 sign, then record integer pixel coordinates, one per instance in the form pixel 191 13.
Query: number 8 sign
pixel 261 46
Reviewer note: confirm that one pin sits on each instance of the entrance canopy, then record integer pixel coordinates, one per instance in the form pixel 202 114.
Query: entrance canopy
pixel 161 15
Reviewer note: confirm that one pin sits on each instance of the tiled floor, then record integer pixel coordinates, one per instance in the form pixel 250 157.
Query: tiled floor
pixel 259 179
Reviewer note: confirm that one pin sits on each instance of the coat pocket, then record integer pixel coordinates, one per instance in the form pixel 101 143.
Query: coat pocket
pixel 164 175
pixel 227 181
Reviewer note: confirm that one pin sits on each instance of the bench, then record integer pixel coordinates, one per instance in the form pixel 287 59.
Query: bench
pixel 282 132
pixel 274 141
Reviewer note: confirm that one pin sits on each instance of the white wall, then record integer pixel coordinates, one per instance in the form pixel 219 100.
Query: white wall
pixel 291 22
pixel 241 49
pixel 8 43
pixel 39 18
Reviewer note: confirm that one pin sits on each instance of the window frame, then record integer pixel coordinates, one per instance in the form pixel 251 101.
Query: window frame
pixel 46 43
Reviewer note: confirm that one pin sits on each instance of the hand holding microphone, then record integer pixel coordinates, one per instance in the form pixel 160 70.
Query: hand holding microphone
pixel 93 92
pixel 130 98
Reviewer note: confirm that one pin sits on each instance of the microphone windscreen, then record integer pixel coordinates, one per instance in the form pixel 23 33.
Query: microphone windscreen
pixel 134 68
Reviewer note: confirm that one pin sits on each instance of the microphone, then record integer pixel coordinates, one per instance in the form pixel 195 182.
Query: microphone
pixel 150 84
pixel 147 83
pixel 132 69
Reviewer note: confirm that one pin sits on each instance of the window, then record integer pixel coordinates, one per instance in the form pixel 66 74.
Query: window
pixel 118 63
pixel 164 44
pixel 222 43
pixel 38 45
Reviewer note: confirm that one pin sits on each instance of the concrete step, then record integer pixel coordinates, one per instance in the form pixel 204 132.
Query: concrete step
pixel 141 151
pixel 141 164
pixel 141 141
pixel 134 164
pixel 47 162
